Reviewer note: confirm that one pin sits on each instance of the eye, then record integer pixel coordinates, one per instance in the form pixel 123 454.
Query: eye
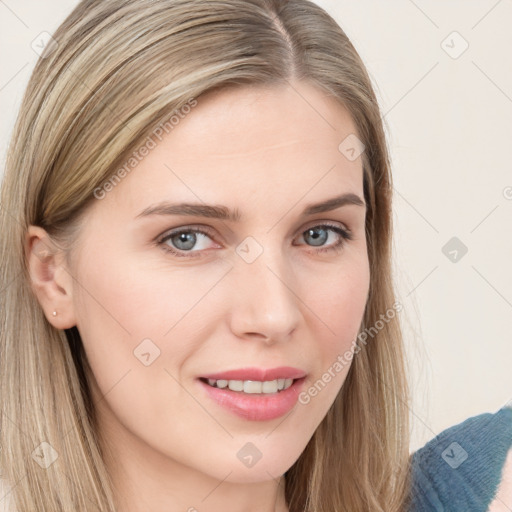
pixel 185 239
pixel 318 235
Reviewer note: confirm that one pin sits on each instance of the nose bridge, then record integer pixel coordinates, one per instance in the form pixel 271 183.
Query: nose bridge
pixel 265 301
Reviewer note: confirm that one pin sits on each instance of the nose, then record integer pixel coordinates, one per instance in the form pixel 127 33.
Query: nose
pixel 265 304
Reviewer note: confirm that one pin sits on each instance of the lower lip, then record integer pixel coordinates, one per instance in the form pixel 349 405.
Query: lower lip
pixel 256 407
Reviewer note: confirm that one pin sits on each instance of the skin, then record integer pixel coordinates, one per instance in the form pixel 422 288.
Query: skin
pixel 269 152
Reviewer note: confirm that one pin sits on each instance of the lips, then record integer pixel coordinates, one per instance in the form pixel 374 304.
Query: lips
pixel 244 399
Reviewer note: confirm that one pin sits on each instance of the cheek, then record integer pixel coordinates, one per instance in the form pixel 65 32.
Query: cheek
pixel 140 323
pixel 139 296
pixel 339 307
pixel 340 304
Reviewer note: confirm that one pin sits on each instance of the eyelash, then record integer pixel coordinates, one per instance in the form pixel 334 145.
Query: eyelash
pixel 345 236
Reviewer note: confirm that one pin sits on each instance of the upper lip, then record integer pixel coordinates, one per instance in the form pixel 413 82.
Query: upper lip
pixel 259 374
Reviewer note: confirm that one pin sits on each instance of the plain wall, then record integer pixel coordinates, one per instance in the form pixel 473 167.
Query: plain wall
pixel 448 115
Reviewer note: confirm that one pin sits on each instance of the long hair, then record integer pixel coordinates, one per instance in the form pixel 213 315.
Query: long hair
pixel 115 71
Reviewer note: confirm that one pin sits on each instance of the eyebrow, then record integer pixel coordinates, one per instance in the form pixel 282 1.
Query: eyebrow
pixel 224 213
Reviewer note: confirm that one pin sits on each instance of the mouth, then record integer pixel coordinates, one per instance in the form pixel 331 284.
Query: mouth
pixel 253 400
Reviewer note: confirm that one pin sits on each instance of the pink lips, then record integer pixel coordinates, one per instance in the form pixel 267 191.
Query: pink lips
pixel 256 407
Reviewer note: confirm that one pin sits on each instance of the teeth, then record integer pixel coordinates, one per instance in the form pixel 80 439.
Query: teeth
pixel 252 386
pixel 267 387
pixel 236 385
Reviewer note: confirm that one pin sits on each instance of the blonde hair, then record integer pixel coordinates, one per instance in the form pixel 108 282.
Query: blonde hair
pixel 117 70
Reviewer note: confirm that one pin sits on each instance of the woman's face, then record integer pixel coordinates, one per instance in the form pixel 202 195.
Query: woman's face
pixel 165 298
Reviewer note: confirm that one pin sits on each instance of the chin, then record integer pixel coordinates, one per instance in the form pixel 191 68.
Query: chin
pixel 252 465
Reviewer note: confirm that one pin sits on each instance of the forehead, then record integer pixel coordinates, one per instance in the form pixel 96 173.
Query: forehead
pixel 256 118
pixel 274 144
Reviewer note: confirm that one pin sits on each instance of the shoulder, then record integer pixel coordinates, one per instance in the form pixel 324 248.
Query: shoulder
pixel 465 467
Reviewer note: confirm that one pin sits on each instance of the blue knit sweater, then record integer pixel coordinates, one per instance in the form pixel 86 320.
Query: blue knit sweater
pixel 460 469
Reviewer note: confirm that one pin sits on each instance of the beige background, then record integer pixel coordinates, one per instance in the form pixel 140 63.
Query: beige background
pixel 449 121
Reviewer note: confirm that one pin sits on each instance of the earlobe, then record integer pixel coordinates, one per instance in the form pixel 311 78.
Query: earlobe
pixel 50 279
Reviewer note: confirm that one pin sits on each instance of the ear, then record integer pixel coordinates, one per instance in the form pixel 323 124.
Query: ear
pixel 50 278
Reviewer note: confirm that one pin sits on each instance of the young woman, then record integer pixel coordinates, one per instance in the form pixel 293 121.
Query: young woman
pixel 197 311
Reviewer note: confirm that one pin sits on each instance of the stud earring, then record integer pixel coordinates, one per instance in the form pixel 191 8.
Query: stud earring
pixel 54 313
